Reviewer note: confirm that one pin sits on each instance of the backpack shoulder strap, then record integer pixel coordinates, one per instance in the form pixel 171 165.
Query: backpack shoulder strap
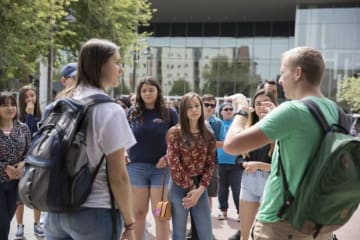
pixel 317 113
pixel 344 123
pixel 96 99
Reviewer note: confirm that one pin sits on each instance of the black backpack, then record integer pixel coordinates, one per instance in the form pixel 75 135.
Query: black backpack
pixel 57 176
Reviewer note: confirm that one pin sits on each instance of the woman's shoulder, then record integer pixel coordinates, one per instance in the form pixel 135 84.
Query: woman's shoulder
pixel 174 132
pixel 21 126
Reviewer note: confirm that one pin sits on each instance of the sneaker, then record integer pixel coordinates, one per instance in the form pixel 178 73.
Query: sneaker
pixel 19 232
pixel 222 216
pixel 236 236
pixel 38 230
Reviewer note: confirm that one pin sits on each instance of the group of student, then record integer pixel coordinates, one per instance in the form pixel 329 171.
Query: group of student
pixel 145 141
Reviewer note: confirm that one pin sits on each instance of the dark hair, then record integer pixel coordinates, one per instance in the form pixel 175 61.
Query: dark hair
pixel 253 118
pixel 139 107
pixel 22 104
pixel 185 124
pixel 8 96
pixel 93 55
pixel 271 82
pixel 208 97
pixel 124 100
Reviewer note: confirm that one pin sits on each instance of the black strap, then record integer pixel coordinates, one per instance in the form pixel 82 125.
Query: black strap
pixel 288 196
pixel 317 113
pixel 343 123
pixel 113 210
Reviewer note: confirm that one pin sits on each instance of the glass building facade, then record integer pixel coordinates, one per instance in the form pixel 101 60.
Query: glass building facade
pixel 336 33
pixel 226 58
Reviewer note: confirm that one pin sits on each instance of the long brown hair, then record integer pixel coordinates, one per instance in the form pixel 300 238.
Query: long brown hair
pixel 185 123
pixel 139 108
pixel 22 104
pixel 254 118
pixel 93 55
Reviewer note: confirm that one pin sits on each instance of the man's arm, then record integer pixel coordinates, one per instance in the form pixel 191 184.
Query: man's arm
pixel 239 140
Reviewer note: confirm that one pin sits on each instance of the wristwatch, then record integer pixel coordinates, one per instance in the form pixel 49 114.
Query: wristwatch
pixel 242 113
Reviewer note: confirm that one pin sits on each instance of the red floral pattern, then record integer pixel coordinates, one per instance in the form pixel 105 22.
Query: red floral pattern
pixel 186 162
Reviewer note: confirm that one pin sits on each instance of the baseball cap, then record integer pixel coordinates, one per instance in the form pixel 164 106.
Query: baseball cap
pixel 70 70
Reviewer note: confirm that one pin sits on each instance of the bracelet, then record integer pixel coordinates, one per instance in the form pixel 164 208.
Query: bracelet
pixel 130 226
pixel 241 113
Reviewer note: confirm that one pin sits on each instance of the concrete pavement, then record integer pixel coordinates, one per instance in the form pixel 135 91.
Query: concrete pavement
pixel 221 229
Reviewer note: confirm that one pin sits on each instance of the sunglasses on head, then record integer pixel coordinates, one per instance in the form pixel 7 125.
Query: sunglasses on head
pixel 209 105
pixel 228 109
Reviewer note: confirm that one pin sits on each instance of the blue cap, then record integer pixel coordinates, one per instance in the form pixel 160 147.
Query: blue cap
pixel 70 70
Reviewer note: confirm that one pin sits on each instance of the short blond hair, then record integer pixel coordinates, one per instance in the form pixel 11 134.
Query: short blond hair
pixel 309 60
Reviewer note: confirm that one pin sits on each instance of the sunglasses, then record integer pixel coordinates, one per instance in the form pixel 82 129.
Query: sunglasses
pixel 228 109
pixel 209 105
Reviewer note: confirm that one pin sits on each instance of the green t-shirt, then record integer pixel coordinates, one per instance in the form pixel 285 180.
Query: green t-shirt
pixel 299 135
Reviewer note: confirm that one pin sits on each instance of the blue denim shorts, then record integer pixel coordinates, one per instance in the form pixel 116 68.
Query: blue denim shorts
pixel 146 175
pixel 252 185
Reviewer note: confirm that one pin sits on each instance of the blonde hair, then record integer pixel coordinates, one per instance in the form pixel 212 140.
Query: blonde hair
pixel 309 60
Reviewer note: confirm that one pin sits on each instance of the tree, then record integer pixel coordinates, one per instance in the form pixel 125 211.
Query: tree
pixel 109 19
pixel 350 92
pixel 180 87
pixel 25 34
pixel 30 27
pixel 227 78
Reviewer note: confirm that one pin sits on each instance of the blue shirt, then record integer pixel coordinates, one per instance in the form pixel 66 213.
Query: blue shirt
pixel 150 136
pixel 223 157
pixel 32 122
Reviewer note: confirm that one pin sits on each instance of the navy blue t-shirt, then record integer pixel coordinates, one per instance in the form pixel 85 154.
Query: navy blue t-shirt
pixel 150 136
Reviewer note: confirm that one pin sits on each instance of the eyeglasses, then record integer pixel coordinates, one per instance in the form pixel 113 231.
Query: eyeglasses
pixel 209 105
pixel 228 109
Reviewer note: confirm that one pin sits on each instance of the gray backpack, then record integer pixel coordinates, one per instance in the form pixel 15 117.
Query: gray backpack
pixel 57 176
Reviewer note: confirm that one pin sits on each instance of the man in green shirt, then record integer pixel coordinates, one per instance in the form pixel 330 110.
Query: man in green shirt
pixel 294 126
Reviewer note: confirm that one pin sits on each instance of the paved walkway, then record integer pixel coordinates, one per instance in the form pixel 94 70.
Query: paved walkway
pixel 221 229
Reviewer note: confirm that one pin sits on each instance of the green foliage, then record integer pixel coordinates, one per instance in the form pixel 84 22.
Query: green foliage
pixel 123 89
pixel 25 34
pixel 30 27
pixel 350 92
pixel 108 19
pixel 180 87
pixel 226 78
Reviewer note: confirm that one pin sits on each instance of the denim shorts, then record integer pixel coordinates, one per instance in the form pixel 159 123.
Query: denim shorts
pixel 252 185
pixel 146 175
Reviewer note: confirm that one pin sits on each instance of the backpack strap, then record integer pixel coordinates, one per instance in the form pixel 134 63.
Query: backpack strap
pixel 96 99
pixel 317 113
pixel 113 209
pixel 343 124
pixel 288 196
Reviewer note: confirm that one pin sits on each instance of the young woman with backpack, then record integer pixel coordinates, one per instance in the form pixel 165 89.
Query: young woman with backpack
pixel 108 132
